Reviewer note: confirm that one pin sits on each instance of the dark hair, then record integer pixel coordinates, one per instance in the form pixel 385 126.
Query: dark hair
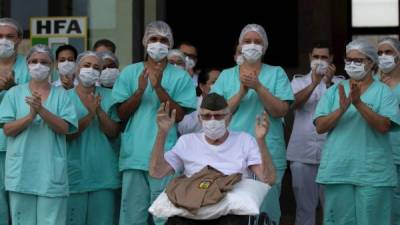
pixel 214 102
pixel 186 43
pixel 66 47
pixel 203 77
pixel 321 44
pixel 105 42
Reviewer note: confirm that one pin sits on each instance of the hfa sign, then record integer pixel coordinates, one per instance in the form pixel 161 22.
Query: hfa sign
pixel 57 31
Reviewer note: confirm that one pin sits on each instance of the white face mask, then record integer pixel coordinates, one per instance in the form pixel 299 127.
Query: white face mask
pixel 108 77
pixel 157 51
pixel 66 68
pixel 239 59
pixel 356 72
pixel 6 48
pixel 190 63
pixel 252 52
pixel 39 71
pixel 321 65
pixel 88 76
pixel 214 129
pixel 386 63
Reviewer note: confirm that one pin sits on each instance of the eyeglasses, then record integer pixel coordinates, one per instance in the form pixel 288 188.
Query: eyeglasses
pixel 208 116
pixel 356 61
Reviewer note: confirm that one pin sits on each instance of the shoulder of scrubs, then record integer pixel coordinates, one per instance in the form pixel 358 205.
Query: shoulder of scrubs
pixel 107 103
pixel 21 72
pixel 389 106
pixel 127 82
pixel 222 80
pixel 7 106
pixel 283 90
pixel 67 110
pixel 300 81
pixel 325 104
pixel 183 90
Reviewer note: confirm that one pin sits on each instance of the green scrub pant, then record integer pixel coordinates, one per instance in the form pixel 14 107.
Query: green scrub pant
pixel 139 190
pixel 347 204
pixel 4 217
pixel 271 204
pixel 91 208
pixel 27 209
pixel 396 201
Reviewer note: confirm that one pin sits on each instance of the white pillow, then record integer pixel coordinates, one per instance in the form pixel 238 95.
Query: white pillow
pixel 244 199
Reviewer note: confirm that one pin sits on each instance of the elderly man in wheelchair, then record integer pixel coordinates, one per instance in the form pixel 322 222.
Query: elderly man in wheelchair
pixel 215 164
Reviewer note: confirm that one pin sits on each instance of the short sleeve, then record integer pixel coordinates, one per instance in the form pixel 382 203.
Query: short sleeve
pixel 218 86
pixel 185 94
pixel 283 88
pixel 297 84
pixel 254 156
pixel 173 158
pixel 122 90
pixel 109 106
pixel 7 107
pixel 68 113
pixel 390 106
pixel 325 104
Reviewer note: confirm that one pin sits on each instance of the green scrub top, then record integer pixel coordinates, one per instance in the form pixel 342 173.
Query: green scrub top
pixel 21 76
pixel 92 161
pixel 276 81
pixel 395 134
pixel 36 157
pixel 140 132
pixel 354 152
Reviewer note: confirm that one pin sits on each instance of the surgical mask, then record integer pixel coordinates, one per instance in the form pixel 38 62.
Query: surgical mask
pixel 108 76
pixel 214 129
pixel 386 63
pixel 157 51
pixel 239 59
pixel 6 48
pixel 66 68
pixel 190 63
pixel 321 65
pixel 88 76
pixel 252 52
pixel 356 72
pixel 39 71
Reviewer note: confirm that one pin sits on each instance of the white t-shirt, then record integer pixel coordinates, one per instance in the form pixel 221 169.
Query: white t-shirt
pixel 192 153
pixel 305 144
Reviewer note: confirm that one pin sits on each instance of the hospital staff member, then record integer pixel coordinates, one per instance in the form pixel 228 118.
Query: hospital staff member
pixel 389 65
pixel 357 166
pixel 305 144
pixel 251 88
pixel 139 90
pixel 110 70
pixel 92 161
pixel 13 70
pixel 176 58
pixel 36 118
pixel 65 63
